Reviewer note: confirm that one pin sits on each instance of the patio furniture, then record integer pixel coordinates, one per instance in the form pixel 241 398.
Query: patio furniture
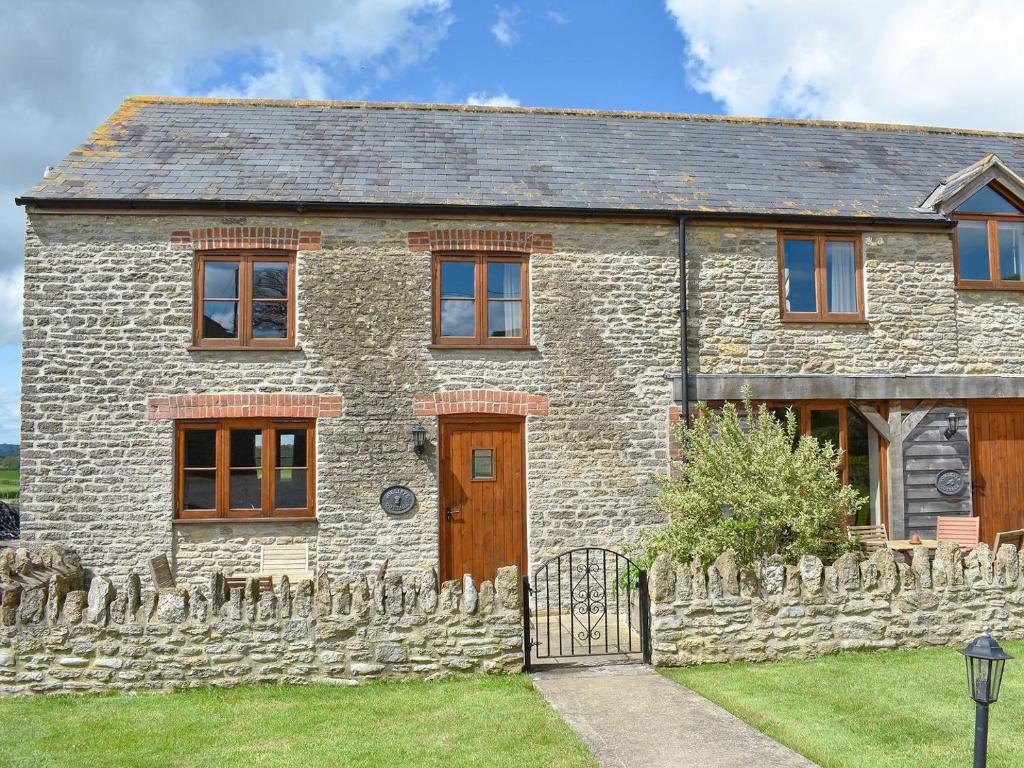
pixel 906 545
pixel 238 582
pixel 291 560
pixel 1009 537
pixel 160 570
pixel 965 531
pixel 872 537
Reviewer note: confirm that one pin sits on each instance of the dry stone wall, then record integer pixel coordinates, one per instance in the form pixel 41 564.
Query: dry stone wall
pixel 56 637
pixel 722 613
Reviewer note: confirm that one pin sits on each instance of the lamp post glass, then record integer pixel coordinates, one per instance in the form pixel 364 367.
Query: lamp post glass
pixel 985 661
pixel 953 424
pixel 419 436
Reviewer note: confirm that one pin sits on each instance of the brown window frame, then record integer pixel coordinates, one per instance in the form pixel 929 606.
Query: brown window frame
pixel 996 282
pixel 481 338
pixel 246 258
pixel 822 315
pixel 222 470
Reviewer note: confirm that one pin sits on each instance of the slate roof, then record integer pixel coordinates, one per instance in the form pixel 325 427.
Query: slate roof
pixel 334 153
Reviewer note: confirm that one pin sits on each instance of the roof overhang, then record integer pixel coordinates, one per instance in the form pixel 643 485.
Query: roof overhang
pixel 956 189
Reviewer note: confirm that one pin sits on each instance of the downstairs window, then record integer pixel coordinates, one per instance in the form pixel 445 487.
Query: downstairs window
pixel 244 468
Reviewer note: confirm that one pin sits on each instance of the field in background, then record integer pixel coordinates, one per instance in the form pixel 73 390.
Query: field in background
pixel 9 484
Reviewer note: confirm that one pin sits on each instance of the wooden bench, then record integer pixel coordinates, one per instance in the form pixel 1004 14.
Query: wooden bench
pixel 872 537
pixel 291 560
pixel 238 582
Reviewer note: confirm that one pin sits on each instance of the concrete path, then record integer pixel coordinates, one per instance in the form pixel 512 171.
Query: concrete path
pixel 632 717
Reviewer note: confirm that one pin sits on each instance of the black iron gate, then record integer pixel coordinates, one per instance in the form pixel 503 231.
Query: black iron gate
pixel 586 602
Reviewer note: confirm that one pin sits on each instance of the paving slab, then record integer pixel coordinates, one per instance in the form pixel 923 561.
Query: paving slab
pixel 632 717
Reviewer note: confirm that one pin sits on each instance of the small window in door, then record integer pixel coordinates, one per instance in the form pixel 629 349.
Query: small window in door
pixel 483 463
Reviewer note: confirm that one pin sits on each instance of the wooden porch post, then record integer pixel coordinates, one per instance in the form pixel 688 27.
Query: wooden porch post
pixel 897 525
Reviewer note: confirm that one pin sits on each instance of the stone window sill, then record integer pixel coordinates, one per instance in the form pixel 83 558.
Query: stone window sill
pixel 243 349
pixel 246 520
pixel 485 347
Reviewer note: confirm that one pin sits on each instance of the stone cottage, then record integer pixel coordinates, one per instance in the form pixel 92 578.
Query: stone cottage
pixel 457 336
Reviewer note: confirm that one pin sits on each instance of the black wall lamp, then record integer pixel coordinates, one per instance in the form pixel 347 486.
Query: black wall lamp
pixel 419 438
pixel 953 422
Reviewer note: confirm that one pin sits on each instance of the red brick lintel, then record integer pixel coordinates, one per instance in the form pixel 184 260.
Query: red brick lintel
pixel 287 406
pixel 480 401
pixel 274 238
pixel 480 240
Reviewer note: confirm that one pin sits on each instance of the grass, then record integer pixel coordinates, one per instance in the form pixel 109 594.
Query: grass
pixel 9 482
pixel 897 709
pixel 494 721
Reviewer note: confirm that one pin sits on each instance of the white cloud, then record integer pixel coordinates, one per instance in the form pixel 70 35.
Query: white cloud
pixel 498 100
pixel 915 61
pixel 504 29
pixel 12 284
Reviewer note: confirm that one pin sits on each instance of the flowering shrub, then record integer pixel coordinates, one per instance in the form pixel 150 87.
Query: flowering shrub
pixel 753 485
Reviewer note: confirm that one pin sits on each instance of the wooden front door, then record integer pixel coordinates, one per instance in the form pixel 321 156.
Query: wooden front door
pixel 482 513
pixel 997 467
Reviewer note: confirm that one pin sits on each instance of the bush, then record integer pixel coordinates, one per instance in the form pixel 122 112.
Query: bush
pixel 754 486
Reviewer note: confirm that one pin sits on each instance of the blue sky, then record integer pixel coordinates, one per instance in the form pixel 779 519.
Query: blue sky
pixel 66 64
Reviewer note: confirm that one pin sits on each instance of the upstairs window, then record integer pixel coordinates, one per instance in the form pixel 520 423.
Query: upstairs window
pixel 821 278
pixel 244 300
pixel 481 300
pixel 244 468
pixel 989 249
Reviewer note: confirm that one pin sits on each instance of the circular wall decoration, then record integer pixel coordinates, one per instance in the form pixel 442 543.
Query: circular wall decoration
pixel 950 482
pixel 397 500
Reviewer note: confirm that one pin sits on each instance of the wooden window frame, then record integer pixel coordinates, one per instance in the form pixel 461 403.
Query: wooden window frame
pixel 822 315
pixel 996 282
pixel 246 259
pixel 480 260
pixel 222 470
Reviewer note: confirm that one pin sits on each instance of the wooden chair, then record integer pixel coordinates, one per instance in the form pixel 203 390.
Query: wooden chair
pixel 238 582
pixel 1010 537
pixel 291 560
pixel 872 537
pixel 965 531
pixel 160 570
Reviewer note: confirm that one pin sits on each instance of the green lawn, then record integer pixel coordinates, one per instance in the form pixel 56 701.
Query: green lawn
pixel 9 481
pixel 497 721
pixel 898 709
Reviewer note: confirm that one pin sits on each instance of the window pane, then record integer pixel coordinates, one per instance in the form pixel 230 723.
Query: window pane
pixel 269 319
pixel 799 276
pixel 200 490
pixel 859 460
pixel 987 200
pixel 246 489
pixel 483 463
pixel 220 319
pixel 200 448
pixel 457 279
pixel 825 426
pixel 841 276
pixel 270 280
pixel 504 280
pixel 972 250
pixel 291 489
pixel 505 318
pixel 246 448
pixel 220 280
pixel 458 318
pixel 291 448
pixel 1010 234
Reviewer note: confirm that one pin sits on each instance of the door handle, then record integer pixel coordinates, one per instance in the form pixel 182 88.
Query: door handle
pixel 448 514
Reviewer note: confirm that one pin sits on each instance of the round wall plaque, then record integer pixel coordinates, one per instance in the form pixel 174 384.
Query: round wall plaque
pixel 949 482
pixel 397 500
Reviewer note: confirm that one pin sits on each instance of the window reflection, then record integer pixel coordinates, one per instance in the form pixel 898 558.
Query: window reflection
pixel 801 294
pixel 972 250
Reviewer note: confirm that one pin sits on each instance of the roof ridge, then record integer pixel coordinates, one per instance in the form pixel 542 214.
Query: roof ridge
pixel 140 100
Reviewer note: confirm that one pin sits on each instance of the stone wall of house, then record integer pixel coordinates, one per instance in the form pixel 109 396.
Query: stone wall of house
pixel 723 613
pixel 108 324
pixel 56 637
pixel 918 323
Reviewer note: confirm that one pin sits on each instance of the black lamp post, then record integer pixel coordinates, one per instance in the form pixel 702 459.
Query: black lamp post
pixel 985 661
pixel 419 436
